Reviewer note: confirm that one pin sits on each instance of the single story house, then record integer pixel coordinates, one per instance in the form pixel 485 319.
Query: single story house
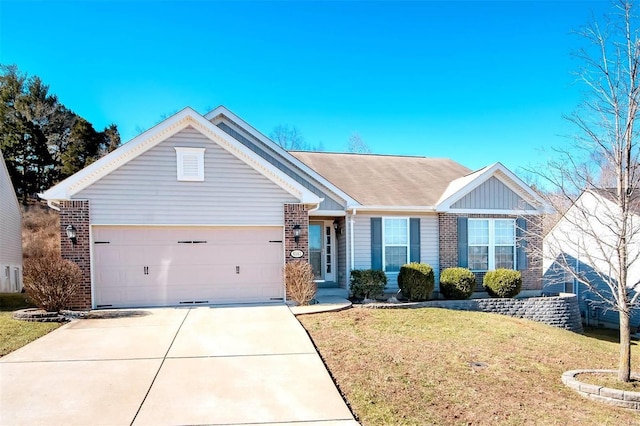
pixel 10 234
pixel 206 209
pixel 581 249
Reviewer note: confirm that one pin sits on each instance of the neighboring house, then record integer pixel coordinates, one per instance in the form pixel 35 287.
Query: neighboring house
pixel 583 245
pixel 10 235
pixel 205 209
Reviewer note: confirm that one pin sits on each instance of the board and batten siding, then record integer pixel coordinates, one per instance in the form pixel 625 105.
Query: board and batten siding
pixel 492 194
pixel 145 191
pixel 10 235
pixel 250 142
pixel 429 243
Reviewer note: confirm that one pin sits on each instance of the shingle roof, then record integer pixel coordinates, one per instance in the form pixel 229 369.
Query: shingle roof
pixel 386 180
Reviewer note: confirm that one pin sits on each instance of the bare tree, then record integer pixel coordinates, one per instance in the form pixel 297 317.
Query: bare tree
pixel 290 139
pixel 358 145
pixel 601 228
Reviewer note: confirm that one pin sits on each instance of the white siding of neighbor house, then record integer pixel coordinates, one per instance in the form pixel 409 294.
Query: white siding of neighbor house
pixel 145 191
pixel 328 203
pixel 492 194
pixel 429 243
pixel 10 234
pixel 589 245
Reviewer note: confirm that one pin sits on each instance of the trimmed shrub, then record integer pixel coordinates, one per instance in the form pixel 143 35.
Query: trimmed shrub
pixel 503 283
pixel 50 282
pixel 457 283
pixel 298 278
pixel 367 283
pixel 13 301
pixel 416 281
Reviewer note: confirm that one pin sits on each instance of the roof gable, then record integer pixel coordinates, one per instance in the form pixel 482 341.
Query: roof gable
pixel 221 111
pixel 152 137
pixel 492 189
pixel 6 187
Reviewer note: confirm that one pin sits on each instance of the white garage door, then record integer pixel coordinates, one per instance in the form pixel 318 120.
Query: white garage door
pixel 160 266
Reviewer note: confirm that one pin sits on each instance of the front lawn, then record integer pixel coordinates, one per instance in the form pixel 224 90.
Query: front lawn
pixel 437 366
pixel 15 334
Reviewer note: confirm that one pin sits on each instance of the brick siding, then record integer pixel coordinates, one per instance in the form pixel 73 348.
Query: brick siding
pixel 296 214
pixel 76 213
pixel 448 227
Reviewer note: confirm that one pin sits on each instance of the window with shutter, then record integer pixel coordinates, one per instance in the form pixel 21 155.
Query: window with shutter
pixel 190 164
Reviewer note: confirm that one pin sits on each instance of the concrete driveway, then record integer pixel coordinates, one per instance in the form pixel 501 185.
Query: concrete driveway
pixel 177 366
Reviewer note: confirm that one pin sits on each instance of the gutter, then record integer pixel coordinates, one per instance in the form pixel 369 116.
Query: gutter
pixel 426 209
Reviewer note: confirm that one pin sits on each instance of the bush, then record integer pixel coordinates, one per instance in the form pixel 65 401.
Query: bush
pixel 50 282
pixel 13 301
pixel 298 278
pixel 502 283
pixel 367 283
pixel 457 283
pixel 416 281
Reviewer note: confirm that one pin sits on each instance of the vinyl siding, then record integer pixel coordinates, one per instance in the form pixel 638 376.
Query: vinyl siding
pixel 10 234
pixel 146 191
pixel 492 194
pixel 249 141
pixel 429 243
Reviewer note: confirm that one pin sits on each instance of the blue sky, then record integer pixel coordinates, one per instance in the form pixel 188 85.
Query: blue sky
pixel 474 81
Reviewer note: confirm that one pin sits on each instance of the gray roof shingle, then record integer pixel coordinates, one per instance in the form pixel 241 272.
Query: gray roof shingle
pixel 385 180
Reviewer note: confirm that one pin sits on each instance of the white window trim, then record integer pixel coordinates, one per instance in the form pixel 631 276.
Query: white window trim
pixel 180 152
pixel 492 244
pixel 385 245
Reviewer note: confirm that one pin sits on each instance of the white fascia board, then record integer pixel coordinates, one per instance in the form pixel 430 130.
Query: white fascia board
pixel 281 151
pixel 413 209
pixel 159 133
pixel 474 180
pixel 514 212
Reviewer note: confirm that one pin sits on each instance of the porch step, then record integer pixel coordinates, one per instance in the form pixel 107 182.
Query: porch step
pixel 333 291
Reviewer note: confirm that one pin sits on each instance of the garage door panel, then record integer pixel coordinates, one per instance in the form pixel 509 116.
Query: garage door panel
pixel 234 265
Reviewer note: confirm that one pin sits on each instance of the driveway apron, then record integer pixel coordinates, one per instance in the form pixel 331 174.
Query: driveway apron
pixel 176 366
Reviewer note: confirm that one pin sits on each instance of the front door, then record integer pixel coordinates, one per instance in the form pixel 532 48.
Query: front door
pixel 321 250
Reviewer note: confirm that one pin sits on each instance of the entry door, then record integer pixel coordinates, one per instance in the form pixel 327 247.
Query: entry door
pixel 321 250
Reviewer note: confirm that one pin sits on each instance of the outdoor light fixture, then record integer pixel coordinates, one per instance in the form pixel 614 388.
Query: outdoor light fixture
pixel 336 226
pixel 296 233
pixel 71 234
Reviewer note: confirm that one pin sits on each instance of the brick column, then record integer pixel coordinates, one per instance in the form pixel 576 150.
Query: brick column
pixel 296 214
pixel 76 213
pixel 448 239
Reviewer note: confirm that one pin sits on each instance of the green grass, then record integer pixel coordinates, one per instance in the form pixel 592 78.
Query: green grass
pixel 436 366
pixel 15 334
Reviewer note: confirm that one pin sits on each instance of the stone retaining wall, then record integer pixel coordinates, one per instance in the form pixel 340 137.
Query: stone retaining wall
pixel 561 311
pixel 619 398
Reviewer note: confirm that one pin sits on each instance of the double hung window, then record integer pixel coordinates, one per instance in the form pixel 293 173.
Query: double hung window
pixel 492 244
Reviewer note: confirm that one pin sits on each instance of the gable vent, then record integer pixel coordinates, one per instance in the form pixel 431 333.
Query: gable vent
pixel 190 164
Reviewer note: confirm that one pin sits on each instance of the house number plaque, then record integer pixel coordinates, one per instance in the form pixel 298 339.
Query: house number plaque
pixel 296 254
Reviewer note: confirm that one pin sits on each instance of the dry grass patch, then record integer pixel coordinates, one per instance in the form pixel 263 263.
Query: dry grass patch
pixel 436 366
pixel 40 232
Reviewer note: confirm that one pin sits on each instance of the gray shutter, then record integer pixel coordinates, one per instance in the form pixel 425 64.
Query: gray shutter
pixel 463 249
pixel 376 243
pixel 414 239
pixel 522 262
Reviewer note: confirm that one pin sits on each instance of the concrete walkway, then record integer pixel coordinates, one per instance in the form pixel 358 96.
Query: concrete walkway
pixel 174 366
